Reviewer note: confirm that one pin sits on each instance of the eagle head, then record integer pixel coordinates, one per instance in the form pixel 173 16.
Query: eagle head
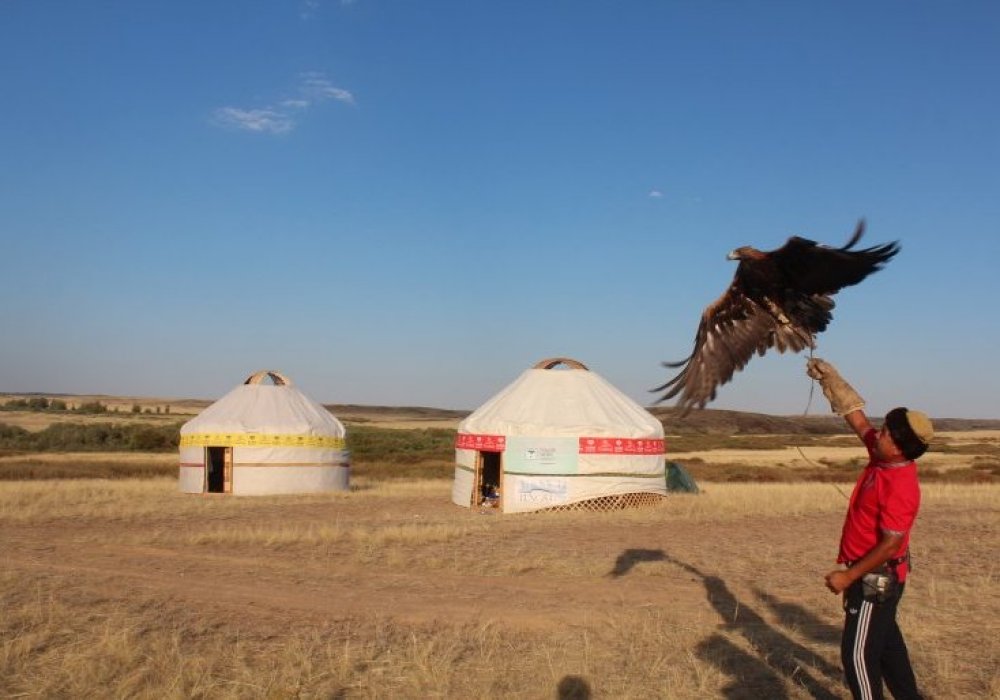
pixel 745 253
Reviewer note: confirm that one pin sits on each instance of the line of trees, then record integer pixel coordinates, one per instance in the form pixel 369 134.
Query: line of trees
pixel 45 405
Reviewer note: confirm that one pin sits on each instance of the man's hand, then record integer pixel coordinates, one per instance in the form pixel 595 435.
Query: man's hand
pixel 841 395
pixel 815 367
pixel 838 580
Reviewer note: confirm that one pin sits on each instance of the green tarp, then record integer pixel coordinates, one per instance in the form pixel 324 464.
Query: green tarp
pixel 678 480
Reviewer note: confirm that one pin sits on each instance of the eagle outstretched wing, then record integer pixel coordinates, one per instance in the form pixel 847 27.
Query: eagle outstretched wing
pixel 731 331
pixel 811 268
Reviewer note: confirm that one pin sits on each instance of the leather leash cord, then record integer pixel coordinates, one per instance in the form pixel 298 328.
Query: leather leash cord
pixel 812 391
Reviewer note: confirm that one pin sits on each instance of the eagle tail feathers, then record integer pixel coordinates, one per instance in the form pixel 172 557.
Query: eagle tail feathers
pixel 859 231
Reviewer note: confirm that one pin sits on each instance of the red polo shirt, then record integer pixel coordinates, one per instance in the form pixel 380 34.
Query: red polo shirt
pixel 885 499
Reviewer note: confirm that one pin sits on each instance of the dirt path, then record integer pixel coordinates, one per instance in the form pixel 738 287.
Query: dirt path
pixel 305 587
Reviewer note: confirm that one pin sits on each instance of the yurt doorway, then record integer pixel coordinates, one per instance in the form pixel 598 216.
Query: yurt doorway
pixel 489 471
pixel 219 469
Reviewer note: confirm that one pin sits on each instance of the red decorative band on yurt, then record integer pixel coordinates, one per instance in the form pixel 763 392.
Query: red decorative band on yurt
pixel 621 446
pixel 484 443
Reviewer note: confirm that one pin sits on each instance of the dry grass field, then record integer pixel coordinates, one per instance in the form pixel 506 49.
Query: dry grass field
pixel 130 589
pixel 122 587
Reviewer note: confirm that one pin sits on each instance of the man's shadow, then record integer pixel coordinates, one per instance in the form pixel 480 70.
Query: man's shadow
pixel 751 678
pixel 794 616
pixel 777 655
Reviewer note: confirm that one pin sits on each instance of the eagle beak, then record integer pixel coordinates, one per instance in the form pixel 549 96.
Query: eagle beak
pixel 733 255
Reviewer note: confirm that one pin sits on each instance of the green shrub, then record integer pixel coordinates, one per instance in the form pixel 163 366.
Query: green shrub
pixel 368 444
pixel 13 437
pixel 96 437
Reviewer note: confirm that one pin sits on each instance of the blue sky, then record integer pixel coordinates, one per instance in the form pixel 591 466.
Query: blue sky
pixel 410 203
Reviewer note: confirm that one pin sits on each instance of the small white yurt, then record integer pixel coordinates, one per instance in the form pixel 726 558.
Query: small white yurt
pixel 559 436
pixel 264 438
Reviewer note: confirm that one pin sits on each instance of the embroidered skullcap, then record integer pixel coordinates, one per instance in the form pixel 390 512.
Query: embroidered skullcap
pixel 911 431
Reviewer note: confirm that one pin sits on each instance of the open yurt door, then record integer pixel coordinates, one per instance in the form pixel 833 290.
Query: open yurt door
pixel 488 480
pixel 218 470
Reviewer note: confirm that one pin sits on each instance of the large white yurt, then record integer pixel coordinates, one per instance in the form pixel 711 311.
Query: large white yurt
pixel 560 436
pixel 264 437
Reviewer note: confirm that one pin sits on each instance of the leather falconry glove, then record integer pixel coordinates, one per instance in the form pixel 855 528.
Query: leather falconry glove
pixel 841 395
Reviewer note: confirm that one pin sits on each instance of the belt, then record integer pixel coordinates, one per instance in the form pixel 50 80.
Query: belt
pixel 891 563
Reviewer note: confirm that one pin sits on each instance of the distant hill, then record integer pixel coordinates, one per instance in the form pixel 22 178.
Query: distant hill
pixel 704 421
pixel 717 421
pixel 380 414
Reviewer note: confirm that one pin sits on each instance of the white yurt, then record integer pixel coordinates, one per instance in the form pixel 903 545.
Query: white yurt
pixel 264 437
pixel 560 436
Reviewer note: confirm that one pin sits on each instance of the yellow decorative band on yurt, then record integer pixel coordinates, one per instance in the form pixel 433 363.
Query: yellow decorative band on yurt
pixel 257 440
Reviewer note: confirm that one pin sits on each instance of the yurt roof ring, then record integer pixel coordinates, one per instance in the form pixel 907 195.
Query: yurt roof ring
pixel 556 361
pixel 277 377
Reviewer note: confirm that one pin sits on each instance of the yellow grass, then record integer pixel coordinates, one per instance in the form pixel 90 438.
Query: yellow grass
pixel 122 654
pixel 131 589
pixel 158 458
pixel 47 501
pixel 34 421
pixel 841 449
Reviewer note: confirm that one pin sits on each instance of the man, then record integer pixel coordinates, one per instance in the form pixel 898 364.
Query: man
pixel 874 544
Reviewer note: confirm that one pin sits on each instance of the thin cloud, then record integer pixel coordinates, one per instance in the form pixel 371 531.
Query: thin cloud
pixel 310 8
pixel 318 86
pixel 268 121
pixel 282 116
pixel 655 194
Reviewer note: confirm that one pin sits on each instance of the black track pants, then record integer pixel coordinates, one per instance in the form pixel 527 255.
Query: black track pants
pixel 872 648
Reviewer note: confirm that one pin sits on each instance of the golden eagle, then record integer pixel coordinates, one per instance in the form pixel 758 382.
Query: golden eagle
pixel 778 299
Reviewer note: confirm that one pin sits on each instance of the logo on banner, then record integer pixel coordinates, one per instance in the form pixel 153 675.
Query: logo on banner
pixel 621 446
pixel 482 443
pixel 541 455
pixel 542 491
